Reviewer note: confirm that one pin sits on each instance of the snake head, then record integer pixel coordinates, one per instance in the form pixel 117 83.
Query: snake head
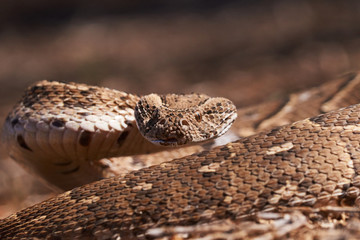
pixel 178 119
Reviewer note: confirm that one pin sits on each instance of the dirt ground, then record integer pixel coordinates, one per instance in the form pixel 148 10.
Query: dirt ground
pixel 248 51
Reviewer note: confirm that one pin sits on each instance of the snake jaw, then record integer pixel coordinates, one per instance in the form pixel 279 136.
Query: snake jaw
pixel 230 119
pixel 166 142
pixel 170 139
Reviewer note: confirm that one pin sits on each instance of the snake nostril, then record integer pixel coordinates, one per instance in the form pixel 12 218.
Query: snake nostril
pixel 184 122
pixel 21 141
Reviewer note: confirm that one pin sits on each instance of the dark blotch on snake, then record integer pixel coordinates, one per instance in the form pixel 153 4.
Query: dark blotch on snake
pixel 85 93
pixel 85 138
pixel 122 137
pixel 63 163
pixel 58 123
pixel 20 139
pixel 72 170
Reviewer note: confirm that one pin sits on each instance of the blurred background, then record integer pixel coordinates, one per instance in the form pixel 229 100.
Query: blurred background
pixel 249 51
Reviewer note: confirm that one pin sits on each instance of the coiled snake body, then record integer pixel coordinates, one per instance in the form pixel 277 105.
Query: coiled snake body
pixel 313 162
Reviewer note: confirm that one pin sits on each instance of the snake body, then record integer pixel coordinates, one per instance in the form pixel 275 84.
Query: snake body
pixel 60 131
pixel 314 162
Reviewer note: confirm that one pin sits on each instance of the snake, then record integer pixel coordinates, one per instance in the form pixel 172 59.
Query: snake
pixel 61 131
pixel 312 162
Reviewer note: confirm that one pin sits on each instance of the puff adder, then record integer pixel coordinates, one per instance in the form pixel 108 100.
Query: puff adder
pixel 61 132
pixel 313 162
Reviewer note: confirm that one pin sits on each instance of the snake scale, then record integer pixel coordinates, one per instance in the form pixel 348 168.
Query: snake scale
pixel 313 162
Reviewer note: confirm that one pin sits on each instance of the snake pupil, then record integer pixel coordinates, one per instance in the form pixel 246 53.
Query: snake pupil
pixel 198 116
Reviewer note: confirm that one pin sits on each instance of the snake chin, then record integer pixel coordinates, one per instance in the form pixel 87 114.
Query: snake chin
pixel 168 142
pixel 230 119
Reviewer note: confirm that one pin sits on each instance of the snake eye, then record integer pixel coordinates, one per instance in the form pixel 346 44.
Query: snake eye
pixel 198 116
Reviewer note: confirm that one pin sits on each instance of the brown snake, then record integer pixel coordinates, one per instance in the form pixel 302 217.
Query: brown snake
pixel 62 131
pixel 313 162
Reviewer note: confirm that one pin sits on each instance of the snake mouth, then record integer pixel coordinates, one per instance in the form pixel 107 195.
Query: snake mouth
pixel 230 119
pixel 172 142
pixel 167 142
